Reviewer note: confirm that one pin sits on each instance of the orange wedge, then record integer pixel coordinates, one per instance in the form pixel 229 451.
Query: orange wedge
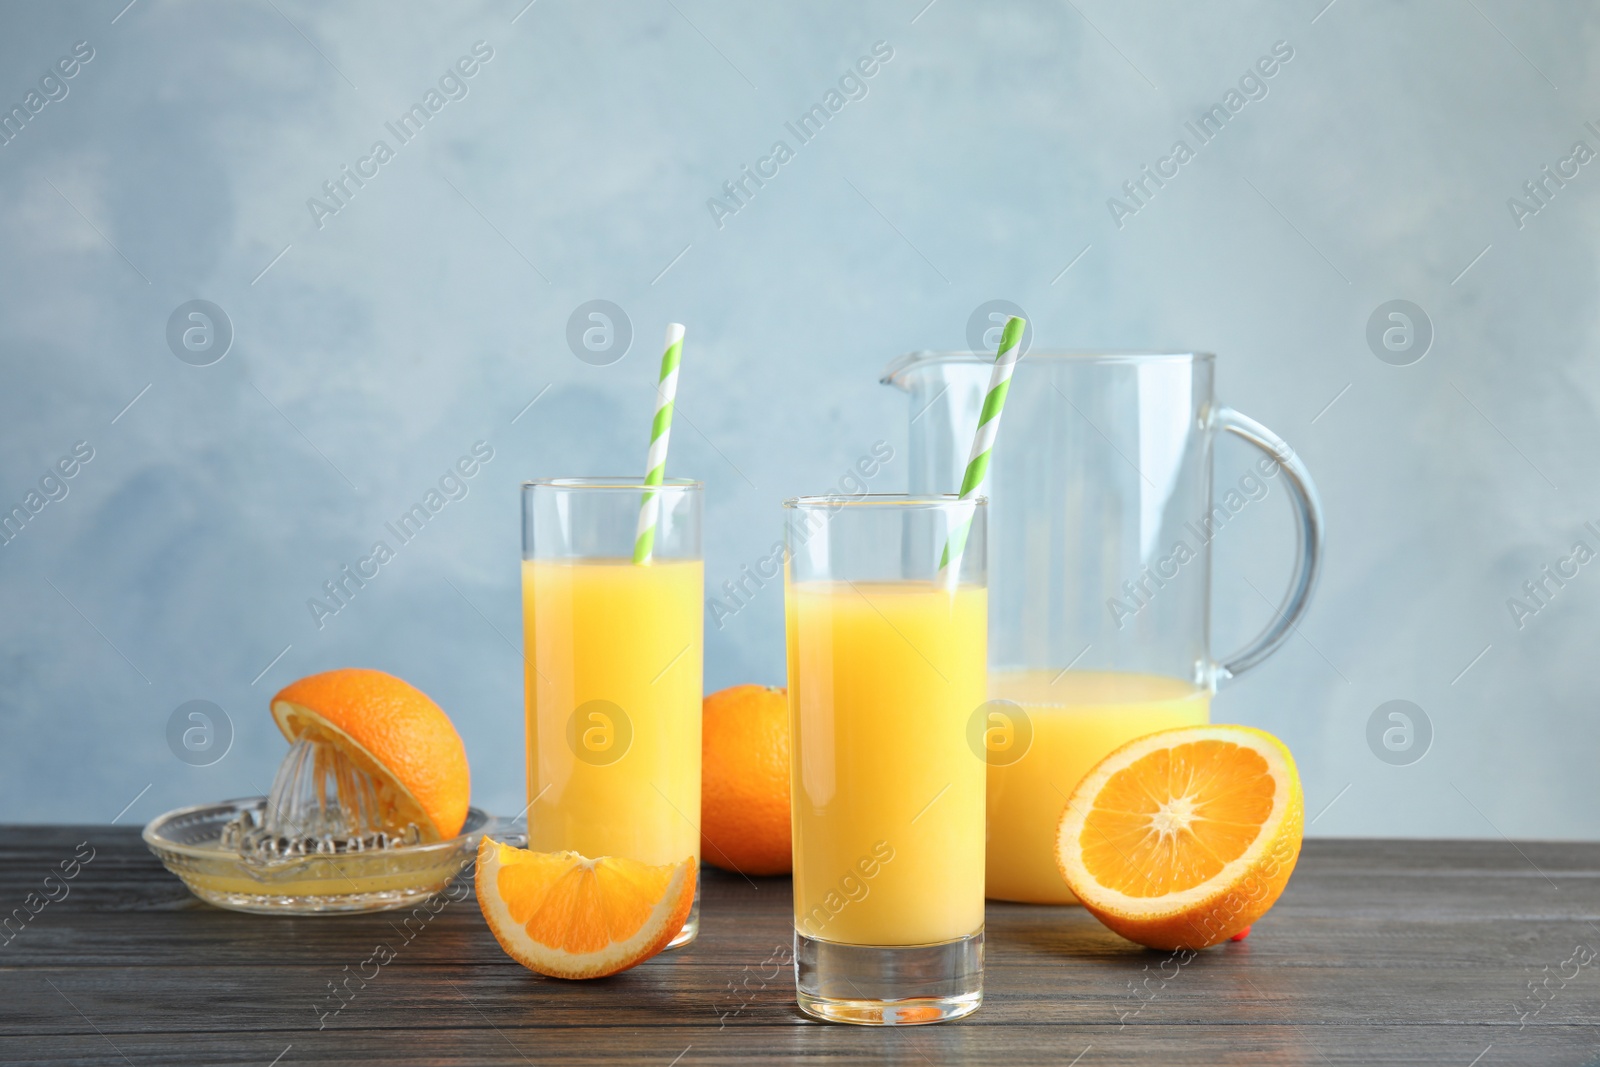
pixel 565 916
pixel 1182 839
pixel 394 732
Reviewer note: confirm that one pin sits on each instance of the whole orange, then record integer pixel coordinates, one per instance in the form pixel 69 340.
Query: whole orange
pixel 744 799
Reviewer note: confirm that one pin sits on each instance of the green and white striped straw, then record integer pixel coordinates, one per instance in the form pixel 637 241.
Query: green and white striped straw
pixel 983 443
pixel 644 541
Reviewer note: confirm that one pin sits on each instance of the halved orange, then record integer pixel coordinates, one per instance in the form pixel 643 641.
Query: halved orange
pixel 394 732
pixel 566 916
pixel 1184 838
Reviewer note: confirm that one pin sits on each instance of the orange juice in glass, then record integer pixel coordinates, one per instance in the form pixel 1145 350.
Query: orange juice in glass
pixel 613 653
pixel 861 687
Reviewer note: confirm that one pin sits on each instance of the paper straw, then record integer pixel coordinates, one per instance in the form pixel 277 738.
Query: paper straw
pixel 994 402
pixel 660 430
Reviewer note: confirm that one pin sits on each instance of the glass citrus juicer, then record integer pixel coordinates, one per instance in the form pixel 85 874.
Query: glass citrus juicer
pixel 337 833
pixel 1101 517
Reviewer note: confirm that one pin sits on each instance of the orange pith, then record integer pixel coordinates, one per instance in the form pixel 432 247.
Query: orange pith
pixel 1186 837
pixel 393 731
pixel 566 916
pixel 744 794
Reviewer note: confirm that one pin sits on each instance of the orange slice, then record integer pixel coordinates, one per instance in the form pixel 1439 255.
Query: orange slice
pixel 395 733
pixel 1182 839
pixel 565 916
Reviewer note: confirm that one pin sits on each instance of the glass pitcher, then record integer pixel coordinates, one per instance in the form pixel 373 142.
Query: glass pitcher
pixel 1100 524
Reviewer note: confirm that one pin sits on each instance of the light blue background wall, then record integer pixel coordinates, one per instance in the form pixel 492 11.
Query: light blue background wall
pixel 430 310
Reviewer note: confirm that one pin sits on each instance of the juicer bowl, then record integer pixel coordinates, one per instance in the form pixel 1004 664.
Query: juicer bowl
pixel 188 842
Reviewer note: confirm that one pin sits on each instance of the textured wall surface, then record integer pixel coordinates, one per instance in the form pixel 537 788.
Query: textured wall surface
pixel 371 336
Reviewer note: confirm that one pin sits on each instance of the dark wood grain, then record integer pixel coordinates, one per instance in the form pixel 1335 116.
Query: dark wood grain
pixel 1381 952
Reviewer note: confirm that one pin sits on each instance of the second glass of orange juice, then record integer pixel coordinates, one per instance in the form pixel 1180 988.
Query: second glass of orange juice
pixel 886 658
pixel 614 653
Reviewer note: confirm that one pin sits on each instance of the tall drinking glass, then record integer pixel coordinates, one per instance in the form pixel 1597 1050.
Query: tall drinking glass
pixel 886 675
pixel 613 654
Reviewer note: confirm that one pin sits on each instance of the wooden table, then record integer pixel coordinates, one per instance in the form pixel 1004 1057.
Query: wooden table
pixel 1391 952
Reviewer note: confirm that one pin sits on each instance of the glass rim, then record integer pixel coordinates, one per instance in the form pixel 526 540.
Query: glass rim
pixel 884 500
pixel 609 481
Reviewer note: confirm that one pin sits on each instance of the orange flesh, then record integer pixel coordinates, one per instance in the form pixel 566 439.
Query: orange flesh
pixel 579 906
pixel 1174 818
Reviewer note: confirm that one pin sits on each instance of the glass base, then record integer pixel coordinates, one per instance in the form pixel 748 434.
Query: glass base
pixel 691 925
pixel 901 985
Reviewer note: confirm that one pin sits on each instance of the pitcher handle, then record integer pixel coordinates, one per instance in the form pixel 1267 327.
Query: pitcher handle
pixel 1308 540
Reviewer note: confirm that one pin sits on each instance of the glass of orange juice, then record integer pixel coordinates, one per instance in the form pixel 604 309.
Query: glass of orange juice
pixel 886 654
pixel 613 655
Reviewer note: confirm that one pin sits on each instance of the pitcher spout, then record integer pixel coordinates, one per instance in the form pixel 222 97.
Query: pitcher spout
pixel 945 391
pixel 911 369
